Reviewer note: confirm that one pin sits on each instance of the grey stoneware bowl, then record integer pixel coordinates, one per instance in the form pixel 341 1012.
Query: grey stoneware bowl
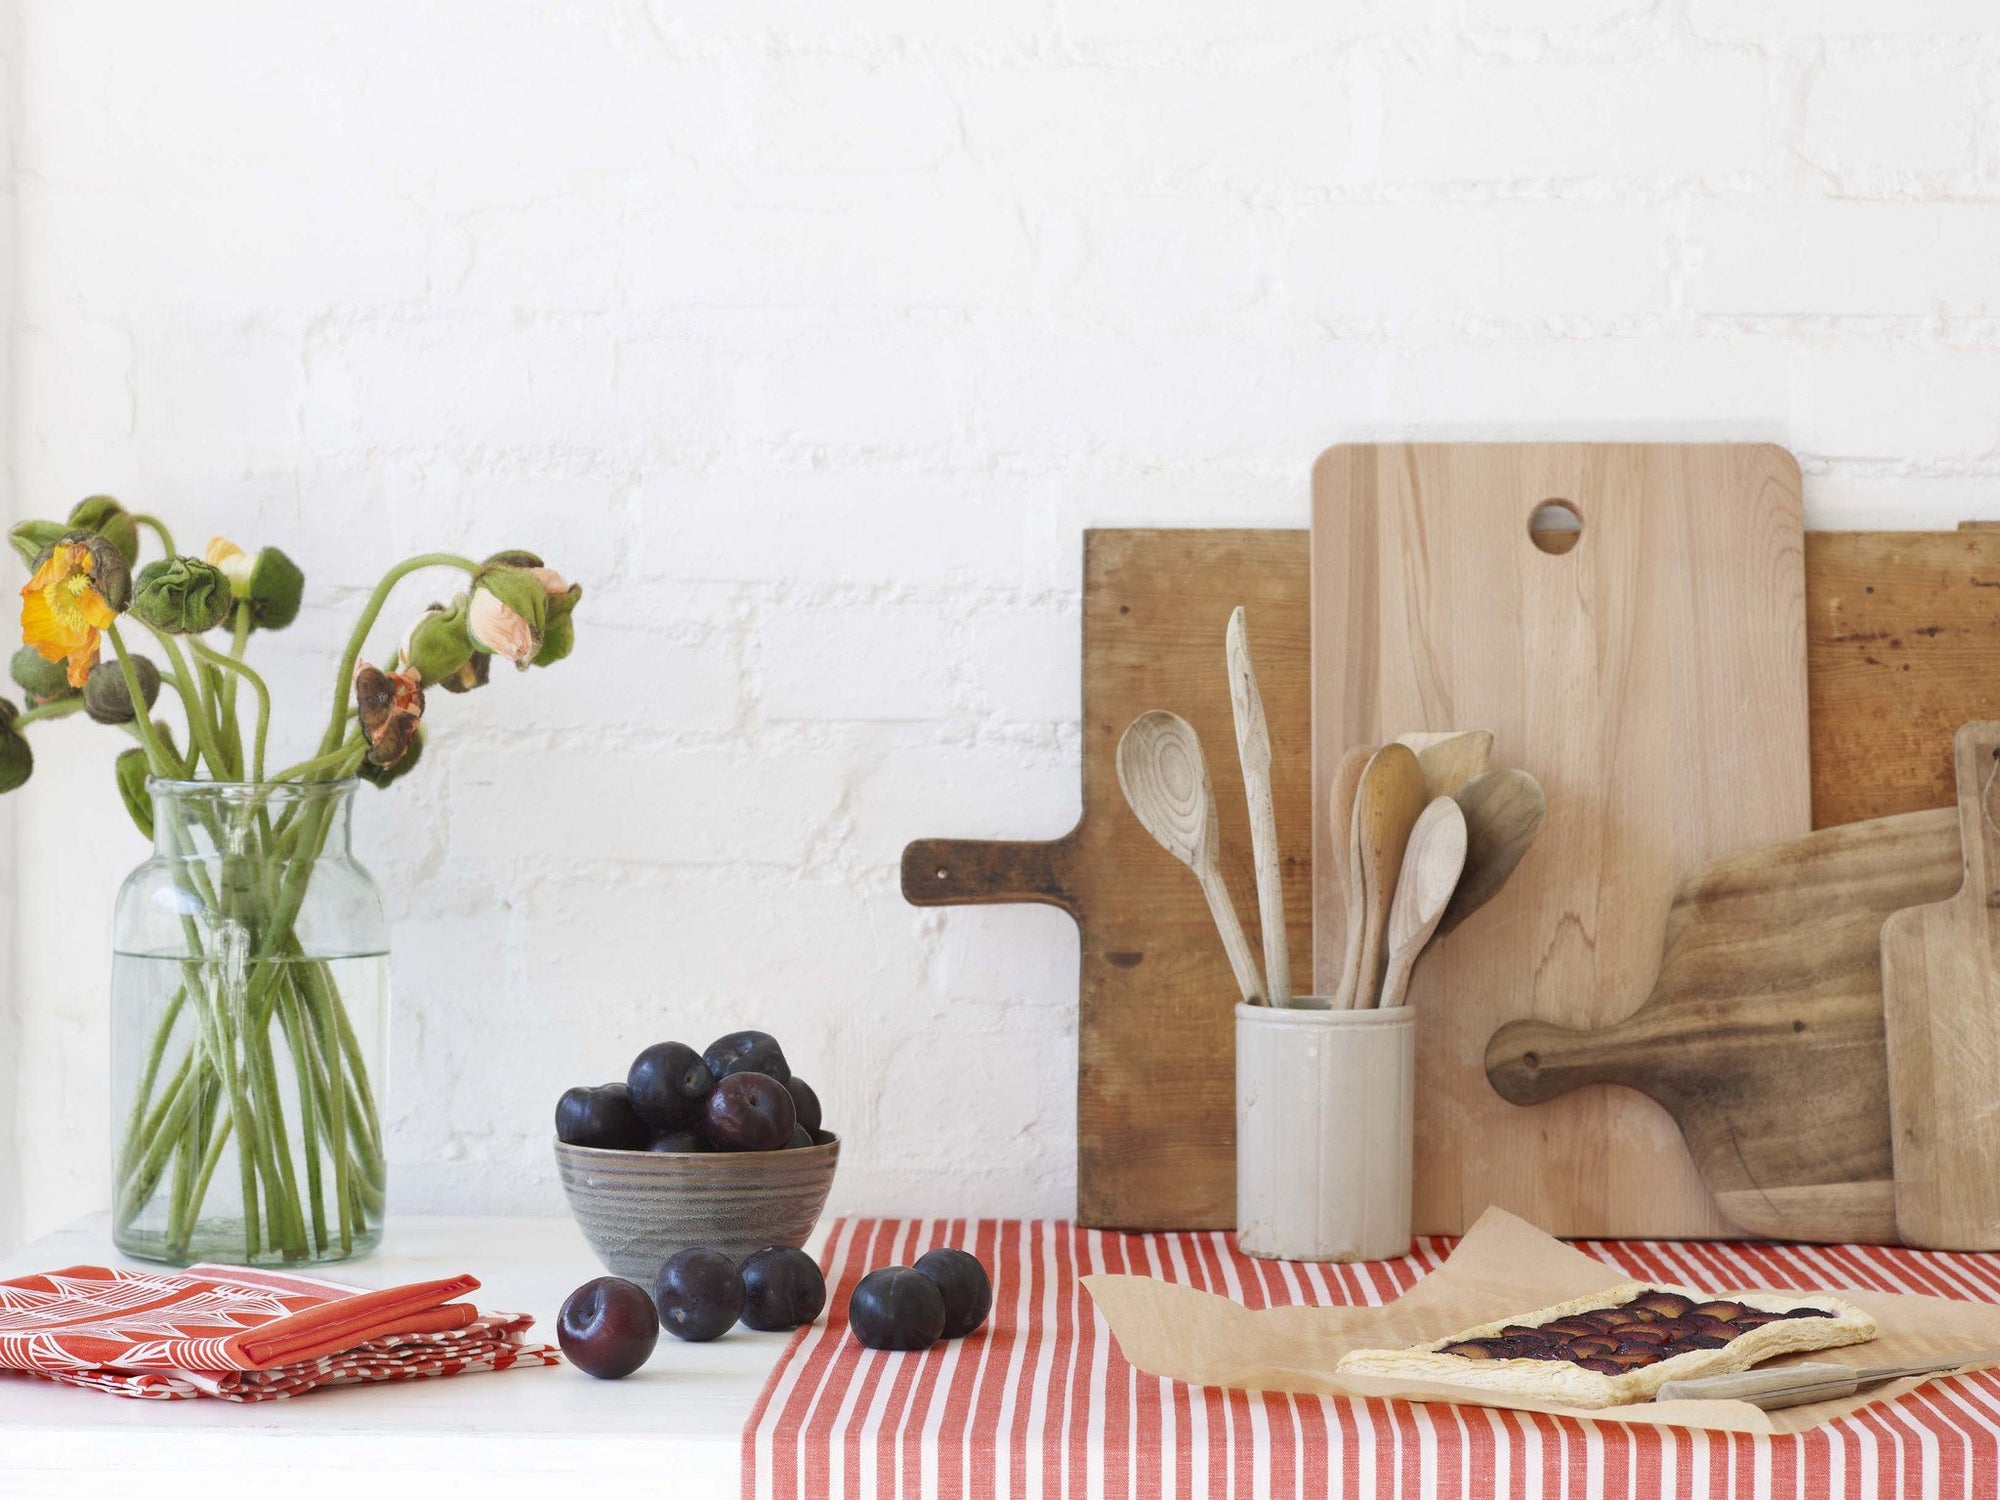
pixel 639 1207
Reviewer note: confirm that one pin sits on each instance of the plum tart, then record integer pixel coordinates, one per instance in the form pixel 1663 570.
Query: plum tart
pixel 1622 1344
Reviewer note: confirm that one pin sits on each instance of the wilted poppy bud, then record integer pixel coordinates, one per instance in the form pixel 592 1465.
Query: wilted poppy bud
pixel 132 772
pixel 276 587
pixel 17 761
pixel 110 520
pixel 33 539
pixel 508 613
pixel 383 776
pixel 437 646
pixel 110 575
pixel 42 680
pixel 108 700
pixel 474 674
pixel 182 596
pixel 390 704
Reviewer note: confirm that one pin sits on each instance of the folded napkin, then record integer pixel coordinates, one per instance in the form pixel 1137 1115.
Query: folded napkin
pixel 246 1334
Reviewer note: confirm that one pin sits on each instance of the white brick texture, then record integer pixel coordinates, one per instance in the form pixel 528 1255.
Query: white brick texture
pixel 810 335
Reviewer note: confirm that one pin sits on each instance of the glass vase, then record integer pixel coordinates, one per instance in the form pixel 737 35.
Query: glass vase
pixel 249 1030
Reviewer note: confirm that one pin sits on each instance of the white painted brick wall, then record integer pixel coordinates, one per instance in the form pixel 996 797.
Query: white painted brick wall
pixel 809 335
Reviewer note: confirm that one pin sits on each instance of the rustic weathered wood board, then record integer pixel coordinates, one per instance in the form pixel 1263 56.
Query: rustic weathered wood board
pixel 1156 1112
pixel 1652 678
pixel 1941 1003
pixel 1163 1156
pixel 1903 646
pixel 1763 1035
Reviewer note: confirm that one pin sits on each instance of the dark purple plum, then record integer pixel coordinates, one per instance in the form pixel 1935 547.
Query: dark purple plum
pixel 608 1327
pixel 964 1285
pixel 678 1140
pixel 800 1137
pixel 600 1117
pixel 896 1308
pixel 749 1112
pixel 700 1294
pixel 782 1290
pixel 805 1101
pixel 668 1082
pixel 746 1052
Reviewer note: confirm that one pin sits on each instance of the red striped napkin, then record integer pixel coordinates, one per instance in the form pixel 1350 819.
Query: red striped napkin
pixel 246 1334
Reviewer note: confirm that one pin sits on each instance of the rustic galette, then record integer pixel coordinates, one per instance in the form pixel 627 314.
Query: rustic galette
pixel 1622 1344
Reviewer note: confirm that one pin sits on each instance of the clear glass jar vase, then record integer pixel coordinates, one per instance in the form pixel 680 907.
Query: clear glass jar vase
pixel 249 1030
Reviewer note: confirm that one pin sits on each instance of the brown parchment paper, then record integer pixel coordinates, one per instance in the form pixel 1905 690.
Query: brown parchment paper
pixel 1503 1266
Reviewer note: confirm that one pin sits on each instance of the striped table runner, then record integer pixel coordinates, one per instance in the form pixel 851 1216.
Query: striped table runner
pixel 1040 1403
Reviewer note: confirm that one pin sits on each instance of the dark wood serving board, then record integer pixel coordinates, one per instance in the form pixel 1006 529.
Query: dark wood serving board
pixel 1156 1087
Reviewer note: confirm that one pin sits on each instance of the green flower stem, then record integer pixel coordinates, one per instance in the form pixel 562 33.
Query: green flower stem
pixel 295 1043
pixel 142 1097
pixel 198 1190
pixel 157 758
pixel 202 728
pixel 61 708
pixel 343 682
pixel 239 640
pixel 214 658
pixel 308 770
pixel 159 529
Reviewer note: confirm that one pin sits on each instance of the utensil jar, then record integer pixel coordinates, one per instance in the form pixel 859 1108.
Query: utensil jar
pixel 1324 1130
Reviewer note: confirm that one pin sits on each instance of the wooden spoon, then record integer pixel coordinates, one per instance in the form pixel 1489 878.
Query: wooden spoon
pixel 1348 898
pixel 1165 780
pixel 1503 813
pixel 1253 748
pixel 1386 808
pixel 1431 867
pixel 1450 760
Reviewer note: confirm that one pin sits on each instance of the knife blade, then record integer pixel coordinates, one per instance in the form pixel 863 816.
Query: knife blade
pixel 1797 1385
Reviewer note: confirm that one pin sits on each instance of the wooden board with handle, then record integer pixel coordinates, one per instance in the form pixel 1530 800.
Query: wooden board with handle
pixel 1941 1005
pixel 1163 1155
pixel 1651 676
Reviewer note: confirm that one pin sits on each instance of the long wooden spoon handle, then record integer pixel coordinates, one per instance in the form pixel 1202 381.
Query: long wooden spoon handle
pixel 1253 748
pixel 1241 960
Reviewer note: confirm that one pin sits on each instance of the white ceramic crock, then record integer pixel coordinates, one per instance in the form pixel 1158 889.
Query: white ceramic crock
pixel 1324 1128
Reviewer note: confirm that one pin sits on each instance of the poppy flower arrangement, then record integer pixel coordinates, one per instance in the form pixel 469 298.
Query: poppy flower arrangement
pixel 245 979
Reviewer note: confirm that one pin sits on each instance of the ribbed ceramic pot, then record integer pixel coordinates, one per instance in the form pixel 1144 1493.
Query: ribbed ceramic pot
pixel 637 1208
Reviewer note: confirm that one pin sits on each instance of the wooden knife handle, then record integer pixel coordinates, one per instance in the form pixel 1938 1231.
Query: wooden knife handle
pixel 1787 1385
pixel 985 872
pixel 1531 1062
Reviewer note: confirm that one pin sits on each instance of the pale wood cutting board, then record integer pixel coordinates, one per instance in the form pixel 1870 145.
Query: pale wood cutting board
pixel 1941 1005
pixel 1653 678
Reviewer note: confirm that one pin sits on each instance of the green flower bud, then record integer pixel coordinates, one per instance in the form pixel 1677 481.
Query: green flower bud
pixel 110 574
pixel 106 697
pixel 512 559
pixel 508 613
pixel 474 674
pixel 33 539
pixel 436 647
pixel 110 520
pixel 42 680
pixel 557 641
pixel 132 773
pixel 276 587
pixel 182 596
pixel 17 761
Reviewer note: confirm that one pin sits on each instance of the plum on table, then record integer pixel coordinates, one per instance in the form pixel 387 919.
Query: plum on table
pixel 782 1290
pixel 746 1052
pixel 601 1117
pixel 668 1083
pixel 749 1112
pixel 964 1285
pixel 700 1295
pixel 608 1327
pixel 896 1308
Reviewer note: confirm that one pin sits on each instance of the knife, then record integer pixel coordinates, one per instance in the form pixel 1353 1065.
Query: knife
pixel 1796 1385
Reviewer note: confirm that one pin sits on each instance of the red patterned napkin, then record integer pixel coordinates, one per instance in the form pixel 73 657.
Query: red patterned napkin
pixel 246 1334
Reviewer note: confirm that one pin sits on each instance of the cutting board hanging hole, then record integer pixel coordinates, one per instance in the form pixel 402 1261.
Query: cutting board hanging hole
pixel 1555 527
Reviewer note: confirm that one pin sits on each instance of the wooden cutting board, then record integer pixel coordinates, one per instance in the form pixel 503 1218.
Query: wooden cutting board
pixel 1652 677
pixel 1165 1157
pixel 1763 1035
pixel 1941 1002
pixel 1156 1089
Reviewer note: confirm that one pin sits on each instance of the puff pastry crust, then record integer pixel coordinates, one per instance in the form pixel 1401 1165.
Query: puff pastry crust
pixel 1562 1381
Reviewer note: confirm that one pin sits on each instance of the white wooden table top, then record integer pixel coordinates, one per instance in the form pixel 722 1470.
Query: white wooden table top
pixel 671 1429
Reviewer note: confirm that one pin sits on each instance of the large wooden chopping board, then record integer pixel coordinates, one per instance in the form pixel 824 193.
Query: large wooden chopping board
pixel 1653 677
pixel 1156 1081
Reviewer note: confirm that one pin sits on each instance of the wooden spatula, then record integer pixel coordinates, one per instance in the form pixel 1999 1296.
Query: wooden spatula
pixel 1340 818
pixel 1450 760
pixel 1941 1006
pixel 1253 748
pixel 1386 808
pixel 1431 867
pixel 1165 781
pixel 1504 810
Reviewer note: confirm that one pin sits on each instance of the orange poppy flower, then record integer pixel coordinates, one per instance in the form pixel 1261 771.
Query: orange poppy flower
pixel 62 612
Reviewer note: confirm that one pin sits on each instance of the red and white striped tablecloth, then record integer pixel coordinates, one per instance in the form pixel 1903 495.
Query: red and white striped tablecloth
pixel 1039 1403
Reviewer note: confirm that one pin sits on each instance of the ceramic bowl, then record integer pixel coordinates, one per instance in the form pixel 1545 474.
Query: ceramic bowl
pixel 639 1207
